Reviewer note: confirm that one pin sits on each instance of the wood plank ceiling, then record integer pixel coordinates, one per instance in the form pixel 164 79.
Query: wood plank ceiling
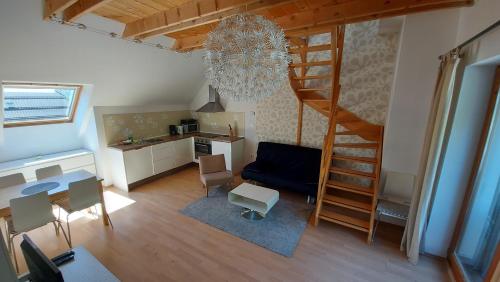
pixel 189 21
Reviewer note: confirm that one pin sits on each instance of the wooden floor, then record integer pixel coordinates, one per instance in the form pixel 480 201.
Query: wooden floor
pixel 152 241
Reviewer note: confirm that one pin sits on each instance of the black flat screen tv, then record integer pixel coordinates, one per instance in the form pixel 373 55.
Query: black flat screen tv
pixel 40 267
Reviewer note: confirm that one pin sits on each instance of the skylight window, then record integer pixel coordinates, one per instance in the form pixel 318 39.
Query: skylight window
pixel 33 104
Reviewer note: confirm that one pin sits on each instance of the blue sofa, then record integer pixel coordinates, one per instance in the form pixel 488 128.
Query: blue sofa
pixel 283 166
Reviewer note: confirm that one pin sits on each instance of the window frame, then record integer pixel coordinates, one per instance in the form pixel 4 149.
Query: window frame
pixel 74 104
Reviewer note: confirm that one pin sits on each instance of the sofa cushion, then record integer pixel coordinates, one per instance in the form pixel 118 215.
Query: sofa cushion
pixel 274 181
pixel 301 162
pixel 216 178
pixel 285 166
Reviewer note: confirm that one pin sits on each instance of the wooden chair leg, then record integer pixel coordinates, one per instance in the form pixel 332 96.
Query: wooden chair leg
pixel 206 188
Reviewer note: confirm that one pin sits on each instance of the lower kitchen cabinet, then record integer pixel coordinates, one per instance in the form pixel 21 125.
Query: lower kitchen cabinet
pixel 233 154
pixel 138 164
pixel 170 155
pixel 131 166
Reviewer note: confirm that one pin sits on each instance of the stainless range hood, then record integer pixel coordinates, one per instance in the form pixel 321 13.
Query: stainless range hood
pixel 213 105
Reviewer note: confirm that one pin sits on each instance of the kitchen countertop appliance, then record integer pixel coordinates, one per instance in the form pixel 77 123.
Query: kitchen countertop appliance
pixel 180 129
pixel 172 129
pixel 203 144
pixel 190 125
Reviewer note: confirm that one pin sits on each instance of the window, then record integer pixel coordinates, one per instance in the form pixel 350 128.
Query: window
pixel 32 104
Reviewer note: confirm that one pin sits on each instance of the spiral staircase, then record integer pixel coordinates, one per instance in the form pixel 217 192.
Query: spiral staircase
pixel 346 195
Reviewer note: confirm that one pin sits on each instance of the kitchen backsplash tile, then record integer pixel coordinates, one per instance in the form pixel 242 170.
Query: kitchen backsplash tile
pixel 219 122
pixel 140 125
pixel 118 127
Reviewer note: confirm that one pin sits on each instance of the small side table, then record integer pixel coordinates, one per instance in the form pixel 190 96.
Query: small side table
pixel 390 209
pixel 255 200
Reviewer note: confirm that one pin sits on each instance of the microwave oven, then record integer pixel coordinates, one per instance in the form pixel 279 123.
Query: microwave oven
pixel 190 125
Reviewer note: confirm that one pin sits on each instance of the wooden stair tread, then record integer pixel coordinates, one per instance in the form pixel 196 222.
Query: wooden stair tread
pixel 313 89
pixel 356 145
pixel 320 105
pixel 319 101
pixel 354 188
pixel 328 76
pixel 314 48
pixel 352 132
pixel 355 159
pixel 344 119
pixel 352 172
pixel 310 64
pixel 345 220
pixel 347 203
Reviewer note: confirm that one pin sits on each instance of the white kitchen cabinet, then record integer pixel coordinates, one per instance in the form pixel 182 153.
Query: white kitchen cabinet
pixel 233 154
pixel 138 164
pixel 163 157
pixel 173 154
pixel 132 166
pixel 184 151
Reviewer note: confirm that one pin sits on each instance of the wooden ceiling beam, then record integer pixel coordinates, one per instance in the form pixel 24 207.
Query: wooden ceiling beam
pixel 81 7
pixel 360 10
pixel 295 41
pixel 193 14
pixel 321 19
pixel 189 43
pixel 52 7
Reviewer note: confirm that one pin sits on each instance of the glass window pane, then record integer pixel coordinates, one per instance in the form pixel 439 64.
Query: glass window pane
pixel 33 103
pixel 481 233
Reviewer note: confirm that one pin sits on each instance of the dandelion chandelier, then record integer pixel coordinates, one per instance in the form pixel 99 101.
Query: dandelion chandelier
pixel 247 57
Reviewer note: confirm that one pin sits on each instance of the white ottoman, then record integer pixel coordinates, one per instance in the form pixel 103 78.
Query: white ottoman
pixel 255 200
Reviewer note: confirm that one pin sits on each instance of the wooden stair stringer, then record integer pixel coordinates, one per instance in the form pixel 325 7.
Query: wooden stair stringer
pixel 338 202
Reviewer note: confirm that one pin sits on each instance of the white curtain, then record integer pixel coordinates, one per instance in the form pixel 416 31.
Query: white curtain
pixel 433 150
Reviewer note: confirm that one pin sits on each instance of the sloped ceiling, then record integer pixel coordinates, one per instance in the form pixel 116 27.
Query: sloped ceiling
pixel 121 73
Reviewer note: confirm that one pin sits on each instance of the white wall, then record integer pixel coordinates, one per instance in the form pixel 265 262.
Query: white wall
pixel 117 73
pixel 424 37
pixel 476 18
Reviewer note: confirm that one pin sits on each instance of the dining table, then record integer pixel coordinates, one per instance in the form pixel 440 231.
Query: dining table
pixel 56 186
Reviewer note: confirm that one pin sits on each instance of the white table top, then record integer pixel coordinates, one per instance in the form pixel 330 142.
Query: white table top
pixel 86 268
pixel 6 194
pixel 255 192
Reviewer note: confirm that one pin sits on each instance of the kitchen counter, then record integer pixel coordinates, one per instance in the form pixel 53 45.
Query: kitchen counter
pixel 227 139
pixel 169 138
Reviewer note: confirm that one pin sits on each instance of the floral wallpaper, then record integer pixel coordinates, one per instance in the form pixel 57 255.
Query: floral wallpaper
pixel 276 120
pixel 366 78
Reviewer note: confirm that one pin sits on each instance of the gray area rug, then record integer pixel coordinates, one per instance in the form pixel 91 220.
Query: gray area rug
pixel 280 231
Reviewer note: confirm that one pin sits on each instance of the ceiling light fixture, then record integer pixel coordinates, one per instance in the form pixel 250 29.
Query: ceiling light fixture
pixel 247 57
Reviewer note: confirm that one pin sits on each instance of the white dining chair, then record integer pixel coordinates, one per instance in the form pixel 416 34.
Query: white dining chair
pixel 9 181
pixel 50 171
pixel 83 194
pixel 12 180
pixel 29 213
